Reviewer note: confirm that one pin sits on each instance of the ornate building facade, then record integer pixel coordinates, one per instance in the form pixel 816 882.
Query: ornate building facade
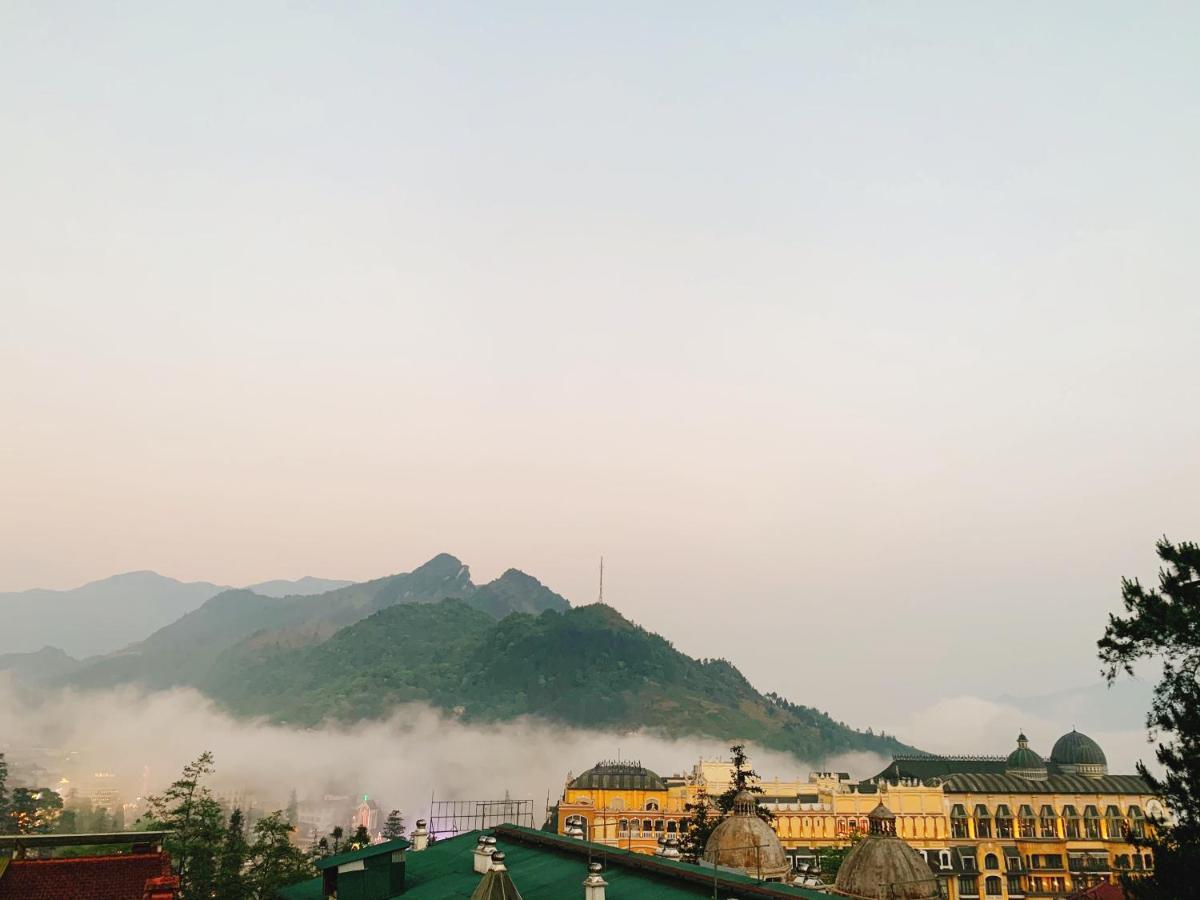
pixel 990 827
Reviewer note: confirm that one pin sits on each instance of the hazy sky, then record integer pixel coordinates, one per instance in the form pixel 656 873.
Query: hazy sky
pixel 862 340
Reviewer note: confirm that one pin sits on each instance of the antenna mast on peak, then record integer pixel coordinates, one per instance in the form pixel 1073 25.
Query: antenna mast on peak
pixel 601 579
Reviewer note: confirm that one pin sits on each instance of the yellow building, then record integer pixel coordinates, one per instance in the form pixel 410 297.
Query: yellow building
pixel 991 827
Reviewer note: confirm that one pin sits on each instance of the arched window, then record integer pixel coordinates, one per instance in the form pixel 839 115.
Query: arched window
pixel 1071 825
pixel 659 825
pixel 1091 823
pixel 1048 822
pixel 991 861
pixel 1114 822
pixel 1137 822
pixel 623 826
pixel 958 822
pixel 652 805
pixel 671 826
pixel 1004 821
pixel 983 821
pixel 647 825
pixel 991 886
pixel 1026 821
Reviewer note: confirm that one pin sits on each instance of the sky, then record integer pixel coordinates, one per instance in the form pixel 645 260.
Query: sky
pixel 860 339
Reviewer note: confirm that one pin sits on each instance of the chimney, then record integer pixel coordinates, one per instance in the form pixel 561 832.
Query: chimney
pixel 482 854
pixel 497 864
pixel 594 884
pixel 670 849
pixel 420 837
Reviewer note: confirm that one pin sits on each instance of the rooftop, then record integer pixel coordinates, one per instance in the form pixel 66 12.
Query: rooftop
pixel 549 867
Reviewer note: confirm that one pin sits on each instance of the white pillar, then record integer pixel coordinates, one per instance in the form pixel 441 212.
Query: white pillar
pixel 594 884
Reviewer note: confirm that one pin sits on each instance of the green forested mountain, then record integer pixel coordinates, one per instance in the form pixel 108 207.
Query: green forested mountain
pixel 586 666
pixel 186 650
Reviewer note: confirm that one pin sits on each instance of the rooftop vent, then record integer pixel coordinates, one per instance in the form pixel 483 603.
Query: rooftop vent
pixel 594 884
pixel 482 854
pixel 420 837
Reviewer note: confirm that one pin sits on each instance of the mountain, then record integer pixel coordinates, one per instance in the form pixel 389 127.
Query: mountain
pixel 47 663
pixel 301 587
pixel 184 651
pixel 99 616
pixel 586 666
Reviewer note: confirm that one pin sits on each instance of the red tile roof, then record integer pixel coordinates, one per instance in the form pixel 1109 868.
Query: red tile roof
pixel 115 877
pixel 1101 892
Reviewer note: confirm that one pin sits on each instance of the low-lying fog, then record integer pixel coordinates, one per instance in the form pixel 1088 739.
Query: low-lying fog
pixel 400 762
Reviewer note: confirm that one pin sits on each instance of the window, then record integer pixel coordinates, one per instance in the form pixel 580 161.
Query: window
pixel 1026 821
pixel 652 805
pixel 983 822
pixel 671 826
pixel 1149 861
pixel 1013 863
pixel 1137 822
pixel 1091 823
pixel 968 886
pixel 991 862
pixel 1071 829
pixel 1048 821
pixel 958 822
pixel 968 861
pixel 944 859
pixel 647 826
pixel 623 826
pixel 1004 822
pixel 659 825
pixel 1114 823
pixel 991 886
pixel 1015 887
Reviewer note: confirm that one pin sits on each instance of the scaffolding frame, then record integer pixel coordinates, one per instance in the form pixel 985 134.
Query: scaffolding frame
pixel 450 817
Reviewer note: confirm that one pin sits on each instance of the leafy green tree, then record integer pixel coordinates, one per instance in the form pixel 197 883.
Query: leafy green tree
pixel 231 877
pixel 743 778
pixel 33 810
pixel 361 837
pixel 187 809
pixel 393 826
pixel 275 861
pixel 1163 625
pixel 336 838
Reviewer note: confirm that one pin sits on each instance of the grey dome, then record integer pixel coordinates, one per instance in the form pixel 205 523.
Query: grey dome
pixel 744 841
pixel 1077 754
pixel 883 866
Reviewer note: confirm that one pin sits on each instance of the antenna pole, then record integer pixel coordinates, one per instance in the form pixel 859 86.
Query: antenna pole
pixel 602 579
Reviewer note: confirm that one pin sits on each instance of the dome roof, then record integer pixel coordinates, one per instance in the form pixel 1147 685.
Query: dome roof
pixel 1075 749
pixel 618 776
pixel 882 865
pixel 744 841
pixel 1025 762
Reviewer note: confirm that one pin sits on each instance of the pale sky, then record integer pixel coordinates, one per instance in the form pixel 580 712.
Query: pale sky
pixel 861 339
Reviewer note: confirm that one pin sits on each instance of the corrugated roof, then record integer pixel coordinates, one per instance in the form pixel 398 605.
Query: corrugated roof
pixel 1054 784
pixel 363 853
pixel 618 777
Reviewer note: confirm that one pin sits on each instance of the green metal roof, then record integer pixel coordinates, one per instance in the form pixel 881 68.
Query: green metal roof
pixel 551 867
pixel 366 852
pixel 1076 748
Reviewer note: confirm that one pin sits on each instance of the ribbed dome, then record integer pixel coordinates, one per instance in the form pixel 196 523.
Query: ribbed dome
pixel 883 866
pixel 1076 753
pixel 744 841
pixel 1024 762
pixel 618 776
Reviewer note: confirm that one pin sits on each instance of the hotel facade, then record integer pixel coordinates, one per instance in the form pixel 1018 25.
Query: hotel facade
pixel 991 827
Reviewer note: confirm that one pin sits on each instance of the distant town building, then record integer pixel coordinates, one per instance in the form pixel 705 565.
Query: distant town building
pixel 989 827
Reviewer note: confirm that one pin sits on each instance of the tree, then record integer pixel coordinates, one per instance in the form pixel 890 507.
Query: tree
pixel 1163 625
pixel 33 810
pixel 336 835
pixel 393 827
pixel 231 878
pixel 361 838
pixel 274 861
pixel 694 830
pixel 743 778
pixel 293 810
pixel 187 809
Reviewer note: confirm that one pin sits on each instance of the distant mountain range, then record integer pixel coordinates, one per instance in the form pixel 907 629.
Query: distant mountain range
pixel 101 616
pixel 489 652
